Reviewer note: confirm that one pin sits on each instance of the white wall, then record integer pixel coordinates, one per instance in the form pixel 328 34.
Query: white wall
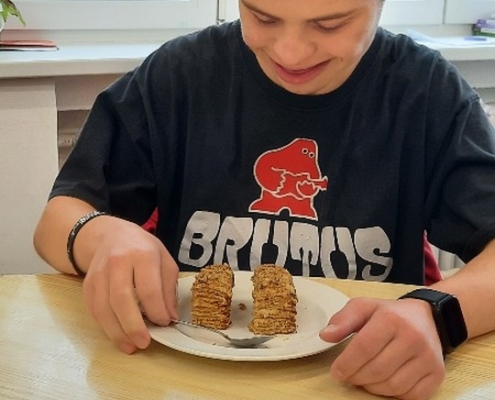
pixel 27 122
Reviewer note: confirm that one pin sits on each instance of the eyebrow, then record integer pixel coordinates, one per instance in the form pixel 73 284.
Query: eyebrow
pixel 329 17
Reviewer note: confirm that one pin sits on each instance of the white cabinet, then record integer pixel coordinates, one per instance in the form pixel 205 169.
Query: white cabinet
pixel 412 12
pixel 468 11
pixel 28 161
pixel 231 8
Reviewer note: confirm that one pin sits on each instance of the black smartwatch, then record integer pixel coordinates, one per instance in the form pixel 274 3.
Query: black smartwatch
pixel 447 314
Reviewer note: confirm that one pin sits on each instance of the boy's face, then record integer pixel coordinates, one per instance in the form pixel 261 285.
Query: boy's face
pixel 309 46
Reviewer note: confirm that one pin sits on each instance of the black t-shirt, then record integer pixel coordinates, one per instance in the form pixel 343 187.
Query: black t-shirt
pixel 242 171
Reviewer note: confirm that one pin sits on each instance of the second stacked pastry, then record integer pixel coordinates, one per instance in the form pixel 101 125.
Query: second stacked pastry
pixel 274 301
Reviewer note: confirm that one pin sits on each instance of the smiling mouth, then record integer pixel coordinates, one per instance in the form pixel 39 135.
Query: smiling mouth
pixel 299 76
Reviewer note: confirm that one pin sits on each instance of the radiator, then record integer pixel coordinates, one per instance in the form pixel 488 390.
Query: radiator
pixel 490 111
pixel 446 261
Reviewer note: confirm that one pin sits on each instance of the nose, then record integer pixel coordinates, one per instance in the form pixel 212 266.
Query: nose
pixel 292 49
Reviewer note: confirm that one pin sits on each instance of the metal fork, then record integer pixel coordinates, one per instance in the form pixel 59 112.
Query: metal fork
pixel 245 343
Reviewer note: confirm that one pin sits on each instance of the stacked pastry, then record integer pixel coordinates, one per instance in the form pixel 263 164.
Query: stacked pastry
pixel 275 300
pixel 212 296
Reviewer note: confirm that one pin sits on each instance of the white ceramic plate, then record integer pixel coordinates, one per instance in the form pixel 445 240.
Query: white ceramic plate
pixel 317 303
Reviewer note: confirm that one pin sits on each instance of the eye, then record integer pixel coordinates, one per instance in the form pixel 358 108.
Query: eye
pixel 311 155
pixel 305 151
pixel 263 19
pixel 329 26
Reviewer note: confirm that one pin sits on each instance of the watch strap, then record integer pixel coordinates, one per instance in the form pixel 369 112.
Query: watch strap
pixel 447 315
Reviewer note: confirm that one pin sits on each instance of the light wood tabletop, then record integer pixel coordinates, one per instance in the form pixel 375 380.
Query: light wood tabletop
pixel 50 348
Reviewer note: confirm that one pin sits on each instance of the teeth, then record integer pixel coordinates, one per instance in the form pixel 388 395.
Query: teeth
pixel 297 71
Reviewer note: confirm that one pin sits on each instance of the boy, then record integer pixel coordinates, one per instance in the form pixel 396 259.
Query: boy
pixel 303 135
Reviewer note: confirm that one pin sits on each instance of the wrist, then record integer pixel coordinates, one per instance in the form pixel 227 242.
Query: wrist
pixel 73 234
pixel 447 315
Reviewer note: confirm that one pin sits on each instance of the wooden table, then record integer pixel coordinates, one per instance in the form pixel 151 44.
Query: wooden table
pixel 50 348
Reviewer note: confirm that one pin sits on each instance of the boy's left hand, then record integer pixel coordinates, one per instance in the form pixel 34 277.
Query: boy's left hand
pixel 395 349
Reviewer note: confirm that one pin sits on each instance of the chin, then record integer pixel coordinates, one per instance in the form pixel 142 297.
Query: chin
pixel 303 90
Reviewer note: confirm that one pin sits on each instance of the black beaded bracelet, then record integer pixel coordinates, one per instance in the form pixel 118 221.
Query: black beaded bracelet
pixel 72 237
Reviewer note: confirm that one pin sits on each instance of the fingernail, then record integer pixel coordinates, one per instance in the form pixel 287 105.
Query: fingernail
pixel 331 328
pixel 142 341
pixel 127 348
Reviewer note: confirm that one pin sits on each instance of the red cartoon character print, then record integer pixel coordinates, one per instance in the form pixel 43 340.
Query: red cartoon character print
pixel 289 178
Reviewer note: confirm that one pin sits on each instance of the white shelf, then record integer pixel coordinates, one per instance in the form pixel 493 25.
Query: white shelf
pixel 465 53
pixel 72 59
pixel 98 59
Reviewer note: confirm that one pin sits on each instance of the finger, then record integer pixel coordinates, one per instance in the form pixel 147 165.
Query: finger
pixel 350 319
pixel 88 293
pixel 125 305
pixel 365 345
pixel 425 388
pixel 98 292
pixel 170 275
pixel 148 281
pixel 111 326
pixel 384 365
pixel 412 381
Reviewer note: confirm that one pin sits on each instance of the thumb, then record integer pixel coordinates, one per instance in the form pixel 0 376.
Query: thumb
pixel 350 319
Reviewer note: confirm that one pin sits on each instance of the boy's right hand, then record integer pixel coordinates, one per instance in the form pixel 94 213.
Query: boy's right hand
pixel 131 270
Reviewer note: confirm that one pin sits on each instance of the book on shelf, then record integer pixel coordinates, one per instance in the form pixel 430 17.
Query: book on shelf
pixel 27 45
pixel 484 27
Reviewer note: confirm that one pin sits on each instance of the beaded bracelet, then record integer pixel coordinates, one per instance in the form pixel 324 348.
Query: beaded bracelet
pixel 72 237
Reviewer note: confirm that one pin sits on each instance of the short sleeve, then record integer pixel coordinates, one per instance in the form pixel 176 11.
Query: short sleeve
pixel 111 165
pixel 463 184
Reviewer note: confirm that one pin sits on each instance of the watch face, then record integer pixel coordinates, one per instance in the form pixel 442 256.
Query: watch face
pixel 454 322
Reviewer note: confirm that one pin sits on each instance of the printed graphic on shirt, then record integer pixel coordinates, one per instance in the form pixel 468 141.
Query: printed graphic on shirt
pixel 289 178
pixel 301 247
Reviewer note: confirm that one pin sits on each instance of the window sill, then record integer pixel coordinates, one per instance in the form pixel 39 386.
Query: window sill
pixel 74 59
pixel 117 58
pixel 476 52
